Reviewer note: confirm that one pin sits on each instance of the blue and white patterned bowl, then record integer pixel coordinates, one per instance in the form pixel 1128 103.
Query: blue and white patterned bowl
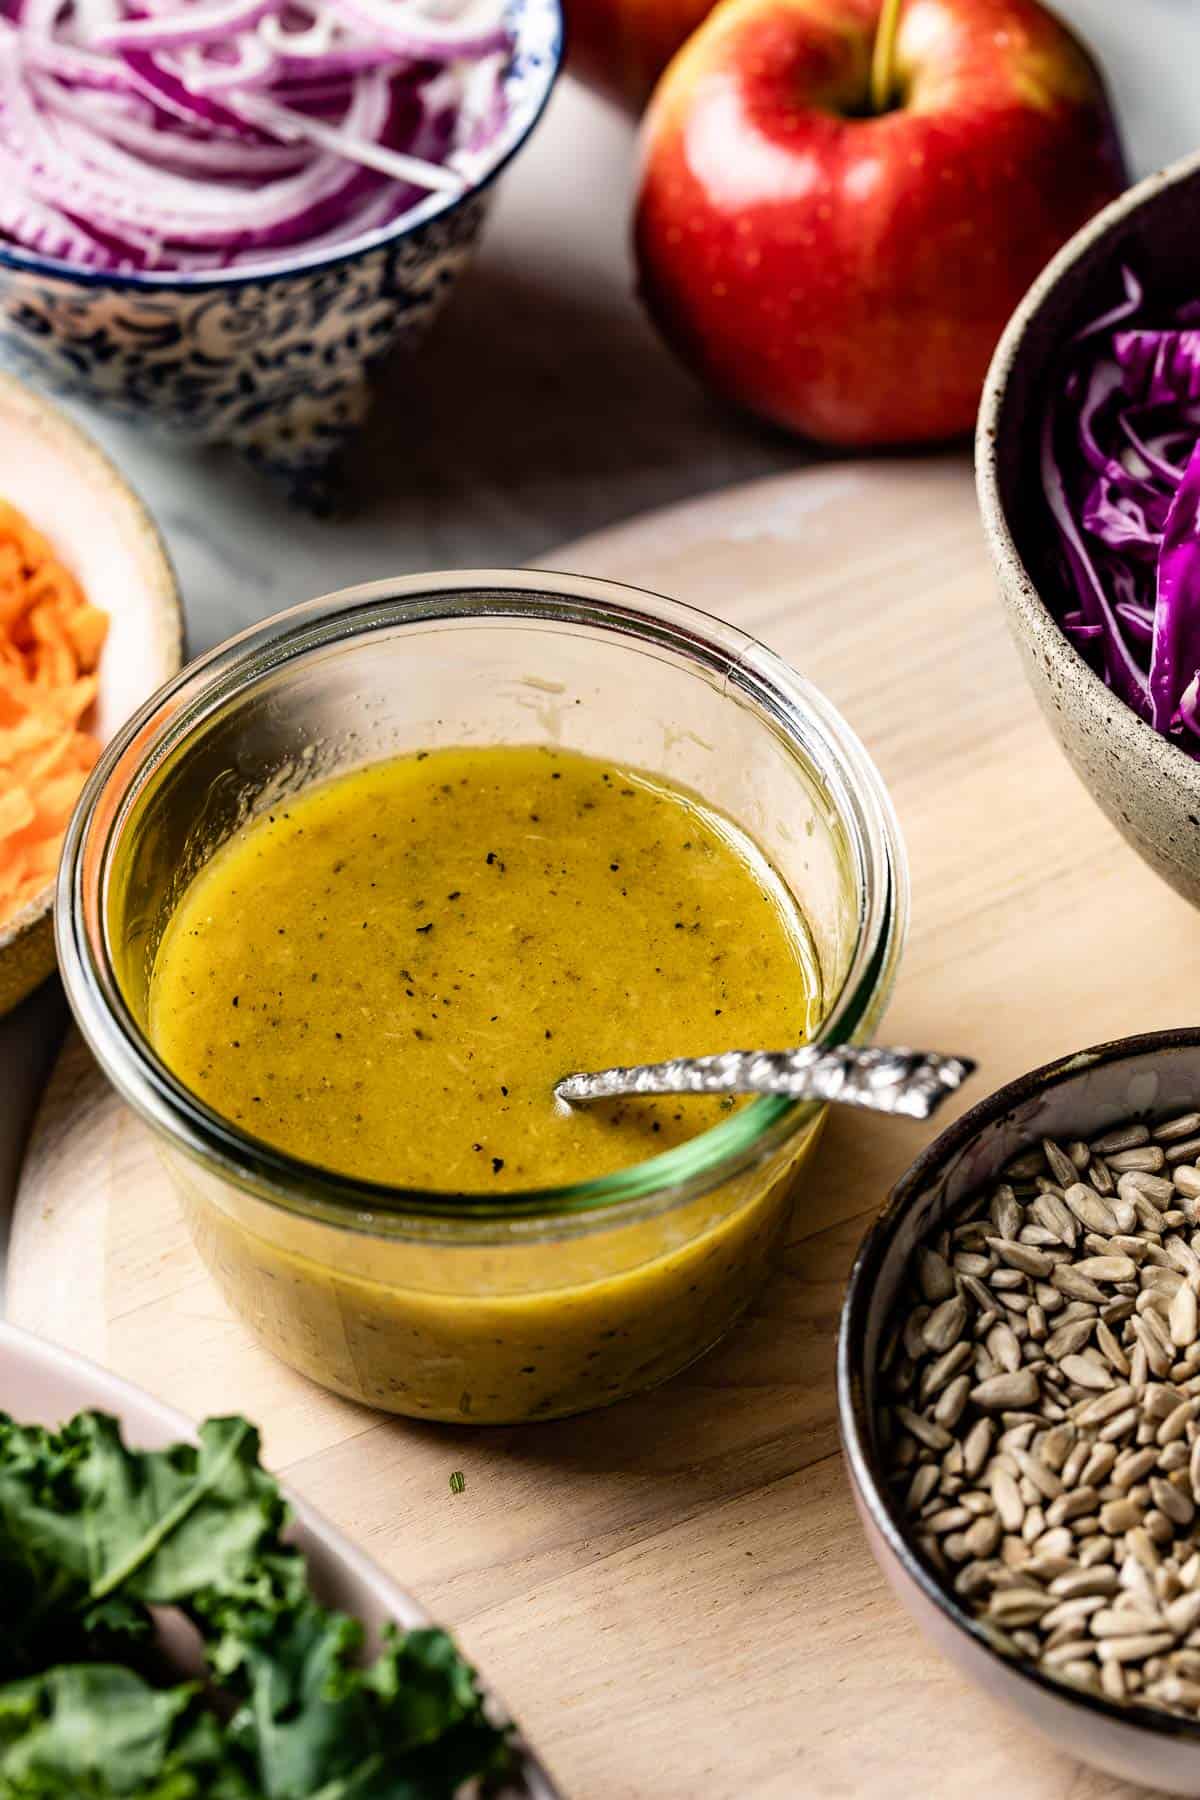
pixel 275 363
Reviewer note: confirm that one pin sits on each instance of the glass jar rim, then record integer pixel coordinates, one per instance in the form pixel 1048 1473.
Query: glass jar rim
pixel 162 726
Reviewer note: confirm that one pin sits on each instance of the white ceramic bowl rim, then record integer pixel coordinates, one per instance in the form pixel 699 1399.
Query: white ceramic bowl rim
pixel 77 444
pixel 285 265
pixel 991 417
pixel 853 1417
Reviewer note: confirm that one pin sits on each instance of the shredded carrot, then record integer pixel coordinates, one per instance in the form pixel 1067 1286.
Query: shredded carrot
pixel 50 643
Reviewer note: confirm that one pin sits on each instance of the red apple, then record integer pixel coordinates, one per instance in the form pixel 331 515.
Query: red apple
pixel 844 271
pixel 621 47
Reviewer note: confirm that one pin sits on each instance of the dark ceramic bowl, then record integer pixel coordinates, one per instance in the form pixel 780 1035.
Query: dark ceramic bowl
pixel 1078 1097
pixel 276 362
pixel 1149 788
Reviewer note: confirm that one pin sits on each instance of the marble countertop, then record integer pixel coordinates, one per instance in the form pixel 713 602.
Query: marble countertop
pixel 543 407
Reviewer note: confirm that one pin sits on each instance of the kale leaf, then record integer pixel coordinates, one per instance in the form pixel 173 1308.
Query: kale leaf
pixel 96 1539
pixel 102 1733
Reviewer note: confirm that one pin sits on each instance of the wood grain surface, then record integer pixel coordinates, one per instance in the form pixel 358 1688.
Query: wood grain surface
pixel 675 1596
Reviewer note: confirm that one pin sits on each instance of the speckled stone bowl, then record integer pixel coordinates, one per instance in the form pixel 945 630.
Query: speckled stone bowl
pixel 1149 788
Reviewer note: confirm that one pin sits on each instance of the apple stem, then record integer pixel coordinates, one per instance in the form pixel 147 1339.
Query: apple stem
pixel 883 56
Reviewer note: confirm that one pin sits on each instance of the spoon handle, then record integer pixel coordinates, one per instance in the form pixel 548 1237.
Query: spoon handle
pixel 912 1083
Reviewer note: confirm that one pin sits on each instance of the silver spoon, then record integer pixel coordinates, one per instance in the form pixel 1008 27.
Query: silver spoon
pixel 911 1083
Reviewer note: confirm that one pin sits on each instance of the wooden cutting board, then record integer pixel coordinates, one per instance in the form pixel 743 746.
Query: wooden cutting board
pixel 675 1596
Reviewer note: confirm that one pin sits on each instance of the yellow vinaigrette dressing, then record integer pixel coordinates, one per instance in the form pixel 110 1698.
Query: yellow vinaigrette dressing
pixel 386 976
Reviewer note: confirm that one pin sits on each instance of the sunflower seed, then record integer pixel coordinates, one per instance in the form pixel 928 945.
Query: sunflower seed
pixel 1058 1163
pixel 1038 1475
pixel 1000 1391
pixel 977 1445
pixel 1148 1215
pixel 1078 1287
pixel 1098 1466
pixel 1085 1373
pixel 1004 1347
pixel 921 1487
pixel 1182 1256
pixel 1089 1208
pixel 976 1578
pixel 1172 1501
pixel 1021 1606
pixel 1131 1467
pixel 1106 1268
pixel 1120 1515
pixel 1118 1427
pixel 1023 1258
pixel 935 1437
pixel 1183 1320
pixel 1133 1649
pixel 946 1519
pixel 1125 1621
pixel 1147 1161
pixel 1104 1406
pixel 1170 1130
pixel 1187 1180
pixel 1085 1582
pixel 1176 1423
pixel 1073 1505
pixel 1158 1358
pixel 1009 1505
pixel 945 1324
pixel 1110 1349
pixel 1056 1216
pixel 1069 1338
pixel 952 1402
pixel 943 1370
pixel 1122 1137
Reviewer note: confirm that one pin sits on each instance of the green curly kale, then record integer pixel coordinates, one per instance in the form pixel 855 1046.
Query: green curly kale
pixel 93 1536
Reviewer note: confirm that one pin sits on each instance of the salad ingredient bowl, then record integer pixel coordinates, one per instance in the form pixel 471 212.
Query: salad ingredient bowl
pixel 273 361
pixel 1147 786
pixel 46 1385
pixel 1077 1098
pixel 67 487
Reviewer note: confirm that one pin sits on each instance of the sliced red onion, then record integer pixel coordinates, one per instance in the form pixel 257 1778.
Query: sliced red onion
pixel 413 35
pixel 128 143
pixel 284 123
pixel 43 228
pixel 79 67
pixel 220 133
pixel 195 25
pixel 235 218
pixel 212 68
pixel 172 95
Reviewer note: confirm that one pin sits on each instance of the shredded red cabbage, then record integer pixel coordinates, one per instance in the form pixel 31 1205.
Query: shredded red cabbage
pixel 1121 475
pixel 191 134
